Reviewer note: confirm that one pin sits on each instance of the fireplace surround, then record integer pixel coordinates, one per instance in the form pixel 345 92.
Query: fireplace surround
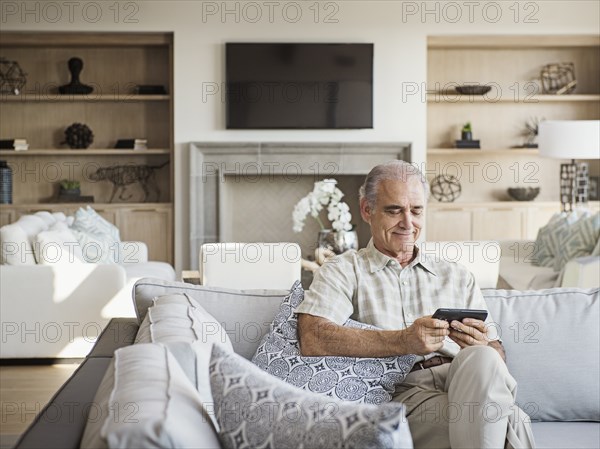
pixel 245 191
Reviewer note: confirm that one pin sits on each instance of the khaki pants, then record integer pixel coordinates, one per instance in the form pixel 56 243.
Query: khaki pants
pixel 468 403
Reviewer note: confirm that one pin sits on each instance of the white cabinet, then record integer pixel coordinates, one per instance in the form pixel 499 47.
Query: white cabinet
pixel 507 220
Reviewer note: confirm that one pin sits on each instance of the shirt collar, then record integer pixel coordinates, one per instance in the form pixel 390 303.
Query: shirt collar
pixel 378 261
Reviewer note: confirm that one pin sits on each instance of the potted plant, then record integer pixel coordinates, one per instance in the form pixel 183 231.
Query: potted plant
pixel 467 132
pixel 68 187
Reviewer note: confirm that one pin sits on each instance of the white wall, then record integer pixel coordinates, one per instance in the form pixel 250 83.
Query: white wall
pixel 397 29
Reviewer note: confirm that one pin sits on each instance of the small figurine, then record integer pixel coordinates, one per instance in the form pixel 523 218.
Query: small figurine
pixel 75 87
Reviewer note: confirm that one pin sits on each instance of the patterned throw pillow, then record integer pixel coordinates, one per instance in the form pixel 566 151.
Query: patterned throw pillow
pixel 88 220
pixel 578 240
pixel 548 243
pixel 370 380
pixel 255 410
pixel 99 239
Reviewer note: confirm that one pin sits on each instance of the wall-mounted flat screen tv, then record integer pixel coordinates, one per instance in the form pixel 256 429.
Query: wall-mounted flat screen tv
pixel 298 85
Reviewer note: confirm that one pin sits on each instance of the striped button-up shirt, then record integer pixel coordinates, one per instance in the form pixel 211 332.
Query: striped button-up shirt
pixel 373 288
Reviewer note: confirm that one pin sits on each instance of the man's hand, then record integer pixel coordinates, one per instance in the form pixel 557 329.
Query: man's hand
pixel 425 335
pixel 470 332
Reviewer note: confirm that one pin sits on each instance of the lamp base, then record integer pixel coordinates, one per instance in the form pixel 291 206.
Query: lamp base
pixel 574 185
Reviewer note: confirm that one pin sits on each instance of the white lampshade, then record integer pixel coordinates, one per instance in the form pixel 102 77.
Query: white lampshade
pixel 569 139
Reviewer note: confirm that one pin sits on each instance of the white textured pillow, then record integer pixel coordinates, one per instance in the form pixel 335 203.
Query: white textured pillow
pixel 87 220
pixel 145 400
pixel 57 247
pixel 97 248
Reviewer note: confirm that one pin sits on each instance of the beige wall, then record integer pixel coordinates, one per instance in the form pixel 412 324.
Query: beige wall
pixel 397 29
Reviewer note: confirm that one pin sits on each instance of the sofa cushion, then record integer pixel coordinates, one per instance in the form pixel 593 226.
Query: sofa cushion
pixel 551 340
pixel 256 410
pixel 369 380
pixel 145 400
pixel 16 248
pixel 178 318
pixel 560 435
pixel 245 315
pixel 57 246
pixel 159 270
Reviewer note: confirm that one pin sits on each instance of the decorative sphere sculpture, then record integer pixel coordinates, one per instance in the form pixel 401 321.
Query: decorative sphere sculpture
pixel 78 135
pixel 445 188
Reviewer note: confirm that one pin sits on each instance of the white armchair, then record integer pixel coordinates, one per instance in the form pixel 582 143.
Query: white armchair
pixel 245 266
pixel 482 258
pixel 517 271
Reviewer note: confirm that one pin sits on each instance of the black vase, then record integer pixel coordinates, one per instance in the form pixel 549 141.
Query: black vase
pixel 466 135
pixel 5 183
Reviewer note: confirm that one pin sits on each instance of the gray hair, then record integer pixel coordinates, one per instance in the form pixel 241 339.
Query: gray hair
pixel 395 170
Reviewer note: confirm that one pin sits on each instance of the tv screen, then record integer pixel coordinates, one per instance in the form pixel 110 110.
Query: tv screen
pixel 290 86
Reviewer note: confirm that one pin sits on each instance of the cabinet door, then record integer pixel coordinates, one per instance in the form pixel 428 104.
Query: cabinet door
pixel 151 226
pixel 7 216
pixel 108 214
pixel 448 225
pixel 498 224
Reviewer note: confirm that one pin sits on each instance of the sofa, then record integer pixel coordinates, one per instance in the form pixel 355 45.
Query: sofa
pixel 551 339
pixel 54 303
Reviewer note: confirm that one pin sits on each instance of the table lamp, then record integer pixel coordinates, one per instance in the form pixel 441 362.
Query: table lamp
pixel 571 139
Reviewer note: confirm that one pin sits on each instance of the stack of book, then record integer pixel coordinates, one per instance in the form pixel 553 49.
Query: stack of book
pixel 14 144
pixel 132 144
pixel 140 144
pixel 467 144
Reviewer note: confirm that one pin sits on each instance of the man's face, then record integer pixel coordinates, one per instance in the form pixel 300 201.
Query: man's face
pixel 397 218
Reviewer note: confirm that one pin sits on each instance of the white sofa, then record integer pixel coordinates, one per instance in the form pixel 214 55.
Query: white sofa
pixel 58 310
pixel 517 271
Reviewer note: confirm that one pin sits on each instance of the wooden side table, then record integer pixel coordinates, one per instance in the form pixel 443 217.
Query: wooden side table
pixel 191 277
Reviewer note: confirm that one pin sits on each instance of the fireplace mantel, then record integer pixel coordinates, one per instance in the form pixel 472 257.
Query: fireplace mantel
pixel 211 163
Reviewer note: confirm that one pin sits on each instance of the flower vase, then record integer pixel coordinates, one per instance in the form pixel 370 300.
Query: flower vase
pixel 337 241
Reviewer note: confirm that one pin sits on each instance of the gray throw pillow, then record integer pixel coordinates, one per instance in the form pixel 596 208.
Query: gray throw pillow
pixel 255 410
pixel 369 380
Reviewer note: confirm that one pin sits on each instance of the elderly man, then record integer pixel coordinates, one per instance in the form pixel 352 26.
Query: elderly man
pixel 460 393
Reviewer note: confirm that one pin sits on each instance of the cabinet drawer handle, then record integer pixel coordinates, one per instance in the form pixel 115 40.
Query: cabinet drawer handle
pixel 144 210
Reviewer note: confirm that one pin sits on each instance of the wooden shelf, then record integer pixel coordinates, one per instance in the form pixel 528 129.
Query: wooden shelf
pixel 114 64
pixel 57 98
pixel 452 97
pixel 478 151
pixel 515 41
pixel 46 206
pixel 91 152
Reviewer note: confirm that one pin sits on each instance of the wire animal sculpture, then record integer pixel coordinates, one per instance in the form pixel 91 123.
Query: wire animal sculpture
pixel 122 176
